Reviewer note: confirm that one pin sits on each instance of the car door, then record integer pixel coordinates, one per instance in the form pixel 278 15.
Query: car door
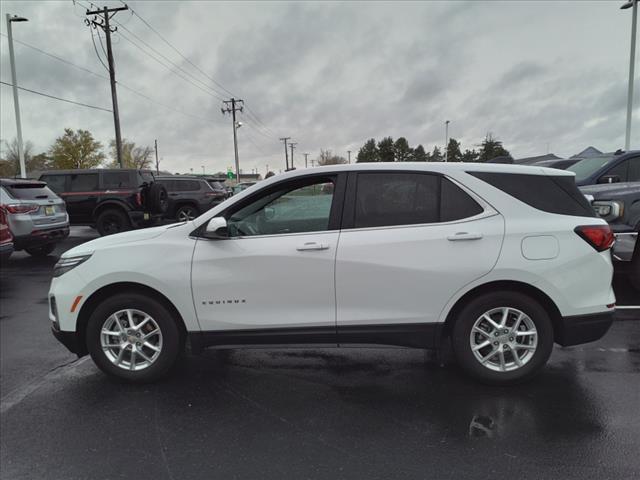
pixel 410 241
pixel 81 197
pixel 276 269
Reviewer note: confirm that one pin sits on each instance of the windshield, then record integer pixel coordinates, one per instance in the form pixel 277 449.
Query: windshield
pixel 586 167
pixel 29 191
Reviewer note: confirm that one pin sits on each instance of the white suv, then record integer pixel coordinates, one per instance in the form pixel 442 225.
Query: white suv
pixel 500 260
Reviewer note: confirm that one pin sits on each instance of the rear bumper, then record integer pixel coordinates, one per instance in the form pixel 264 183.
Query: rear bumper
pixel 68 339
pixel 143 219
pixel 579 329
pixel 6 249
pixel 38 238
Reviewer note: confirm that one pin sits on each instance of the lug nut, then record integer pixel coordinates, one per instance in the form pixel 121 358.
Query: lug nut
pixel 506 331
pixel 497 334
pixel 511 339
pixel 495 343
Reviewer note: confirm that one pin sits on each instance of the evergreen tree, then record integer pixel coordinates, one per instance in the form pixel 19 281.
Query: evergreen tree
pixel 491 148
pixel 386 150
pixel 402 152
pixel 368 152
pixel 419 155
pixel 436 155
pixel 453 151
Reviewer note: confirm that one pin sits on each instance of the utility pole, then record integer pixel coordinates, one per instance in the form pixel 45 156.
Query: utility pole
pixel 349 155
pixel 232 106
pixel 632 60
pixel 16 103
pixel 313 163
pixel 286 153
pixel 292 146
pixel 104 25
pixel 306 165
pixel 446 139
pixel 157 162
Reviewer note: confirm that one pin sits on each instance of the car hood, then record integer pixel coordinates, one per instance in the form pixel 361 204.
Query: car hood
pixel 119 239
pixel 610 189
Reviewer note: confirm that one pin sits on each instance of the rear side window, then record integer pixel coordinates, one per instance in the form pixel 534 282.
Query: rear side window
pixel 115 179
pixel 186 185
pixel 29 191
pixel 552 194
pixel 57 183
pixel 388 199
pixel 84 182
pixel 634 169
pixel 456 204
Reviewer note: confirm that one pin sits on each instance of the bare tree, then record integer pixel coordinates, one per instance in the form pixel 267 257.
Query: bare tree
pixel 328 158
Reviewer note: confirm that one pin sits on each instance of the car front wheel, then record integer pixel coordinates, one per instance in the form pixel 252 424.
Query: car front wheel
pixel 112 221
pixel 133 337
pixel 502 337
pixel 186 213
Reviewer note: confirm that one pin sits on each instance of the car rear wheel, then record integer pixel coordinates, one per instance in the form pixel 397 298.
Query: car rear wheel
pixel 41 251
pixel 186 213
pixel 133 337
pixel 502 337
pixel 112 221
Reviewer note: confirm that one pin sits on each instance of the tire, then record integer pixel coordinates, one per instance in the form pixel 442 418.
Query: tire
pixel 157 198
pixel 41 251
pixel 186 212
pixel 112 221
pixel 533 350
pixel 109 359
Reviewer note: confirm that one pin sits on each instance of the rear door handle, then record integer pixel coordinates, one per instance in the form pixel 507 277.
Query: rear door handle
pixel 312 246
pixel 464 236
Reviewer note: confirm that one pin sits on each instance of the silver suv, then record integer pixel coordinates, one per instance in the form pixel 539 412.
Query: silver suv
pixel 36 216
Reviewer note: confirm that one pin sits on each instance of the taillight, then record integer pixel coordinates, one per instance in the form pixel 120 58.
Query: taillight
pixel 22 207
pixel 139 199
pixel 599 237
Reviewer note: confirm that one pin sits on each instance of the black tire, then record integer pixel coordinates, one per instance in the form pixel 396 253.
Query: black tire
pixel 171 338
pixel 187 212
pixel 41 251
pixel 472 311
pixel 112 221
pixel 156 198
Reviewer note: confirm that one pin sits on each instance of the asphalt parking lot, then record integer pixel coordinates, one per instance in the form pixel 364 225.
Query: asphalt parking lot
pixel 321 413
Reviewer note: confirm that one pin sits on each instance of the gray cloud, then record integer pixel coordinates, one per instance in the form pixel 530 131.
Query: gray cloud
pixel 332 75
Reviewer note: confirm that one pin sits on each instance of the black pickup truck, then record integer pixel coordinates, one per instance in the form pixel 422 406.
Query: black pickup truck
pixel 111 200
pixel 619 204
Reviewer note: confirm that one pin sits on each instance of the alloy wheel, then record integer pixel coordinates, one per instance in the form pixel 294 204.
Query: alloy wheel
pixel 186 214
pixel 131 339
pixel 503 339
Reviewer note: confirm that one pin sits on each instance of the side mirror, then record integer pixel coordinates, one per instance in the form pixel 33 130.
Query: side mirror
pixel 216 229
pixel 609 179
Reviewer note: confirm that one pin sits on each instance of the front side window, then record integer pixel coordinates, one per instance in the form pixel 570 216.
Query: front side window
pixel 84 182
pixel 294 208
pixel 588 166
pixel 634 169
pixel 619 171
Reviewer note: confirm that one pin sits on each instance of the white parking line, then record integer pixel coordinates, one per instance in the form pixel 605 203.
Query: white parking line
pixel 627 307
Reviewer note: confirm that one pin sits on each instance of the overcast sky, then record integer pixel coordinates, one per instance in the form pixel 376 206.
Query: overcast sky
pixel 541 76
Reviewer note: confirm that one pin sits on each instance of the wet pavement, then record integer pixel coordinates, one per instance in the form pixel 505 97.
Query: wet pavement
pixel 320 413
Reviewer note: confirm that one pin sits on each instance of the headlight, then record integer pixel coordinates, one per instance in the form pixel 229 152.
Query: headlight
pixel 66 264
pixel 608 209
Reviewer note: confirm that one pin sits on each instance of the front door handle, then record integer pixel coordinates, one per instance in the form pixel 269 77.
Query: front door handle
pixel 464 236
pixel 312 246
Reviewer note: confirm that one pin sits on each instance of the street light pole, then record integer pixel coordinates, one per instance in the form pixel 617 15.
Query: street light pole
pixel 16 103
pixel 446 139
pixel 632 60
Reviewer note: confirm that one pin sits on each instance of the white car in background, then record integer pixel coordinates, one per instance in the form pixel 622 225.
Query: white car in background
pixel 500 260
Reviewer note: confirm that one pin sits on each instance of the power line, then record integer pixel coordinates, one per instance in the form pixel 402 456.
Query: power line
pixel 126 87
pixel 93 40
pixel 217 94
pixel 186 59
pixel 57 98
pixel 175 72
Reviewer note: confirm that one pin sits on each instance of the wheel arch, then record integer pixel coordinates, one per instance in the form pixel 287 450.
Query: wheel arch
pixel 115 204
pixel 505 285
pixel 99 295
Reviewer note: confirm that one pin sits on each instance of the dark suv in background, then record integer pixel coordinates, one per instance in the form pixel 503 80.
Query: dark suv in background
pixel 191 196
pixel 112 200
pixel 619 167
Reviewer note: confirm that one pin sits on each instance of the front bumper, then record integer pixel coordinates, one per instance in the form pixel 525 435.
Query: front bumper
pixel 68 339
pixel 579 329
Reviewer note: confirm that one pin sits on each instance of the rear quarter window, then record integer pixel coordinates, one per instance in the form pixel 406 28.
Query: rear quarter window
pixel 84 182
pixel 116 180
pixel 57 183
pixel 552 194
